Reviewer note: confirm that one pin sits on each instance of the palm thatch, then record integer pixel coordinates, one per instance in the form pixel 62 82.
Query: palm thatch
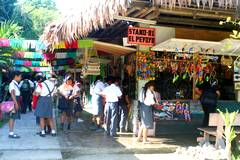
pixel 78 22
pixel 199 3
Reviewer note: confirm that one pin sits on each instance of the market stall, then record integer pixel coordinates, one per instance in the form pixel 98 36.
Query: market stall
pixel 179 66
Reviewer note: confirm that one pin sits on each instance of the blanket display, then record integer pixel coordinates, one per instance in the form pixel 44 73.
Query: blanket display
pixel 173 110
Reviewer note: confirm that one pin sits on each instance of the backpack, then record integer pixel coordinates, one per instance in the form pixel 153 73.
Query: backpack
pixel 25 86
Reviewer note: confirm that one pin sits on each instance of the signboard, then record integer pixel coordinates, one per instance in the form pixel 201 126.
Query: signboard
pixel 125 42
pixel 142 36
pixel 237 85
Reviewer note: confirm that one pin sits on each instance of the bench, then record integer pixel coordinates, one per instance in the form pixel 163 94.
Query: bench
pixel 216 129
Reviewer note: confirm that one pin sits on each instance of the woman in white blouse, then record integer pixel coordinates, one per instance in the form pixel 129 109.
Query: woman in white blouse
pixel 147 100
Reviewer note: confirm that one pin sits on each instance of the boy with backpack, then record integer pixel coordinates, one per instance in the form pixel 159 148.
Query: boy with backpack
pixel 26 88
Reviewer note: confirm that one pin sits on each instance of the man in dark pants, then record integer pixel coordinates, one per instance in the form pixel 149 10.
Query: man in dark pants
pixel 208 99
pixel 112 94
pixel 124 105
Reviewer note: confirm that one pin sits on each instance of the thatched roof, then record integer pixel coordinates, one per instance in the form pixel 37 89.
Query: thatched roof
pixel 79 22
pixel 199 3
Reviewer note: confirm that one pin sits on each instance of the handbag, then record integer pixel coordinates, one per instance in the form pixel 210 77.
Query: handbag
pixel 35 99
pixel 7 106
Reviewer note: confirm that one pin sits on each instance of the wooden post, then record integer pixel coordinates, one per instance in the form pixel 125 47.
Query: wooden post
pixel 194 76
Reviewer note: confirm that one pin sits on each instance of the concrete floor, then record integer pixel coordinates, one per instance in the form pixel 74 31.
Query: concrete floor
pixel 82 143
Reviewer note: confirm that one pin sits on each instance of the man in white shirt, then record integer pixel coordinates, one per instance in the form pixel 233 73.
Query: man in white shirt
pixel 112 94
pixel 14 90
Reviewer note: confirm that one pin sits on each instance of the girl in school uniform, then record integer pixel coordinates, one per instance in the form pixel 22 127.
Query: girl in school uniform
pixel 44 109
pixel 147 100
pixel 68 92
pixel 14 90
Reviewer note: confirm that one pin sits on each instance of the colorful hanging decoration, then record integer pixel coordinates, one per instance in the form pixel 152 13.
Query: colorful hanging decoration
pixel 61 55
pixel 22 45
pixel 145 65
pixel 4 42
pixel 31 63
pixel 32 69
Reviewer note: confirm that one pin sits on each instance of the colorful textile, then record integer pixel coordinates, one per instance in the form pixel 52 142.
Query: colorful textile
pixel 61 62
pixel 19 54
pixel 16 44
pixel 73 44
pixel 49 56
pixel 29 55
pixel 29 44
pixel 87 43
pixel 31 63
pixel 27 63
pixel 61 45
pixel 4 42
pixel 30 69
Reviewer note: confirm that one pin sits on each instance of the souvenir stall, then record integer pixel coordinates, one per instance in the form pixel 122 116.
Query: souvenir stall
pixel 178 66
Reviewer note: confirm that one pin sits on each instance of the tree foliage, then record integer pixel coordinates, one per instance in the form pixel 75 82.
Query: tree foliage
pixel 31 15
pixel 40 13
pixel 7 9
pixel 9 29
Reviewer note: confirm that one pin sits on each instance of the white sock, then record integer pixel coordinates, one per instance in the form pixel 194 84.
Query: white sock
pixel 11 133
pixel 53 131
pixel 43 132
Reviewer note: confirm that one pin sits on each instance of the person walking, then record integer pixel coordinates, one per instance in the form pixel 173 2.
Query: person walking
pixel 147 100
pixel 97 102
pixel 124 106
pixel 78 105
pixel 26 88
pixel 208 99
pixel 44 109
pixel 112 94
pixel 68 92
pixel 14 90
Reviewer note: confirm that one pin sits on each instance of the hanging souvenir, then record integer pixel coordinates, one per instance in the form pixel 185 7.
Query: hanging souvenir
pixel 226 61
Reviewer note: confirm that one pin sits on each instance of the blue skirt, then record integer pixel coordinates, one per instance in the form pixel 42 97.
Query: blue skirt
pixel 146 113
pixel 44 107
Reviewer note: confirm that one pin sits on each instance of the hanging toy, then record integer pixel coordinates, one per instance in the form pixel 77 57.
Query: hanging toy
pixel 175 78
pixel 186 112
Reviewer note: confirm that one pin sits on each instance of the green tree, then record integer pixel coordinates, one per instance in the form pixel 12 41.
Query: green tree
pixel 7 9
pixel 38 13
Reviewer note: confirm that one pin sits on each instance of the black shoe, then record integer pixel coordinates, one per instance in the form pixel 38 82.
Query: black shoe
pixel 42 135
pixel 122 130
pixel 54 134
pixel 14 136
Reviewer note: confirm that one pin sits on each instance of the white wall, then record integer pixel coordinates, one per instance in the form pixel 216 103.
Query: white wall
pixel 163 33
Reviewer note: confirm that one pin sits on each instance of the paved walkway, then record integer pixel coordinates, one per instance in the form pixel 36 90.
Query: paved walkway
pixel 30 146
pixel 81 143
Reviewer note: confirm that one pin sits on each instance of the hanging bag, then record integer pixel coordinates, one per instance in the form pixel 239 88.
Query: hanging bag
pixel 92 65
pixel 8 106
